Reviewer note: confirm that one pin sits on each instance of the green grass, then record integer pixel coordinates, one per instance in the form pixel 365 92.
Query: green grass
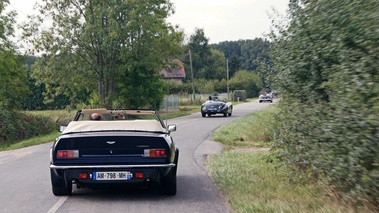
pixel 252 181
pixel 252 130
pixel 30 142
pixel 182 111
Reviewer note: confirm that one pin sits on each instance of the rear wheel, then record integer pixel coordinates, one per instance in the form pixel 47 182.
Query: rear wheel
pixel 59 185
pixel 168 182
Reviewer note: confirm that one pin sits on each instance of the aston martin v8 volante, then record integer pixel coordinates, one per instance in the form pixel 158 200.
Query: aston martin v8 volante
pixel 114 147
pixel 212 107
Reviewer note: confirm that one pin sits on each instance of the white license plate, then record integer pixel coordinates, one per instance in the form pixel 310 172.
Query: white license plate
pixel 118 175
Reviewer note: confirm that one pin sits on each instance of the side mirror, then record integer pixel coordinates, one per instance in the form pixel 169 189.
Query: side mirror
pixel 62 128
pixel 171 128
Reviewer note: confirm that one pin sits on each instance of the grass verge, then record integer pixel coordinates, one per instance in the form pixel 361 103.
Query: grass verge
pixel 253 130
pixel 31 142
pixel 250 179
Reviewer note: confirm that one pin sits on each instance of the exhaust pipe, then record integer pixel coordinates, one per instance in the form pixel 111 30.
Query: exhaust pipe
pixel 147 183
pixel 76 182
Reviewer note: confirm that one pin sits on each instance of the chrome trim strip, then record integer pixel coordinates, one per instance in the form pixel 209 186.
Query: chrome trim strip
pixel 112 166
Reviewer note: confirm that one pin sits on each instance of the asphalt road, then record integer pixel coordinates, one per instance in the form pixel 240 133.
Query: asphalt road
pixel 25 177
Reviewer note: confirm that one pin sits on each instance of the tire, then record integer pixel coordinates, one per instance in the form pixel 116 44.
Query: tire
pixel 203 115
pixel 58 185
pixel 230 114
pixel 168 182
pixel 226 114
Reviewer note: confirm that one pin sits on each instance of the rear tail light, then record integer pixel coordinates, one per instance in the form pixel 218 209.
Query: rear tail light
pixel 139 175
pixel 154 153
pixel 68 154
pixel 83 176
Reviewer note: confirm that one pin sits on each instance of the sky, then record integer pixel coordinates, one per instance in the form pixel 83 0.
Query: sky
pixel 226 20
pixel 221 20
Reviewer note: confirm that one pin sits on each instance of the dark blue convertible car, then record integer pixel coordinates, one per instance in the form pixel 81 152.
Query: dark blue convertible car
pixel 109 147
pixel 212 107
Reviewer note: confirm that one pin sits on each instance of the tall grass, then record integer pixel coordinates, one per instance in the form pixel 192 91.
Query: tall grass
pixel 254 130
pixel 252 183
pixel 250 178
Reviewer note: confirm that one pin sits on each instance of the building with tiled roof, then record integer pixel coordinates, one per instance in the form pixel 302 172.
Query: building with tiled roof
pixel 176 73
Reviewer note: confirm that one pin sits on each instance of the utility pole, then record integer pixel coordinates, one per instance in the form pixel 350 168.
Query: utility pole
pixel 227 77
pixel 193 85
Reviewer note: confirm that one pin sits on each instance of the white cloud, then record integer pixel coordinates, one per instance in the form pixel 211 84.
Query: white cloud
pixel 221 20
pixel 226 19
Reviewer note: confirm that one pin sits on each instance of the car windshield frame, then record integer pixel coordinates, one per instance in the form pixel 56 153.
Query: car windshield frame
pixel 119 114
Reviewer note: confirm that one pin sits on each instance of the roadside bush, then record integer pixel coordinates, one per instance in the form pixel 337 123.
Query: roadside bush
pixel 328 77
pixel 239 95
pixel 221 86
pixel 16 126
pixel 246 80
pixel 205 86
pixel 178 88
pixel 186 101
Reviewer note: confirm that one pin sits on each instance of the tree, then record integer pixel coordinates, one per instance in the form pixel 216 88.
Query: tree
pixel 252 51
pixel 101 46
pixel 34 100
pixel 216 68
pixel 245 80
pixel 13 80
pixel 234 64
pixel 326 63
pixel 200 53
pixel 244 54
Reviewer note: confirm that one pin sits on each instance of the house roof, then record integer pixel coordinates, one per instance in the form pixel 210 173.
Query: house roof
pixel 175 72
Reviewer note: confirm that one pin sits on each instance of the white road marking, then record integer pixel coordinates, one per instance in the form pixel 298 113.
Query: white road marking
pixel 58 204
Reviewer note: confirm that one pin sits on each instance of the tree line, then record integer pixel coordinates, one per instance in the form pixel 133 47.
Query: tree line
pixel 110 54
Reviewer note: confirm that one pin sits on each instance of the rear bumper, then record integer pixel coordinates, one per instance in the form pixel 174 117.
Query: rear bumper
pixel 265 100
pixel 72 174
pixel 111 166
pixel 215 111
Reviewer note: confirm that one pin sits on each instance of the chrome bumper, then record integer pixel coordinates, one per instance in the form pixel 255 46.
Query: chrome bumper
pixel 113 166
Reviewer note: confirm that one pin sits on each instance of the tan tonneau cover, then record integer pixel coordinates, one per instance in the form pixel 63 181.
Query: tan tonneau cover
pixel 133 125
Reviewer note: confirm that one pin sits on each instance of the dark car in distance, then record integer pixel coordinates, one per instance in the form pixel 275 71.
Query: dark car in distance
pixel 213 107
pixel 121 147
